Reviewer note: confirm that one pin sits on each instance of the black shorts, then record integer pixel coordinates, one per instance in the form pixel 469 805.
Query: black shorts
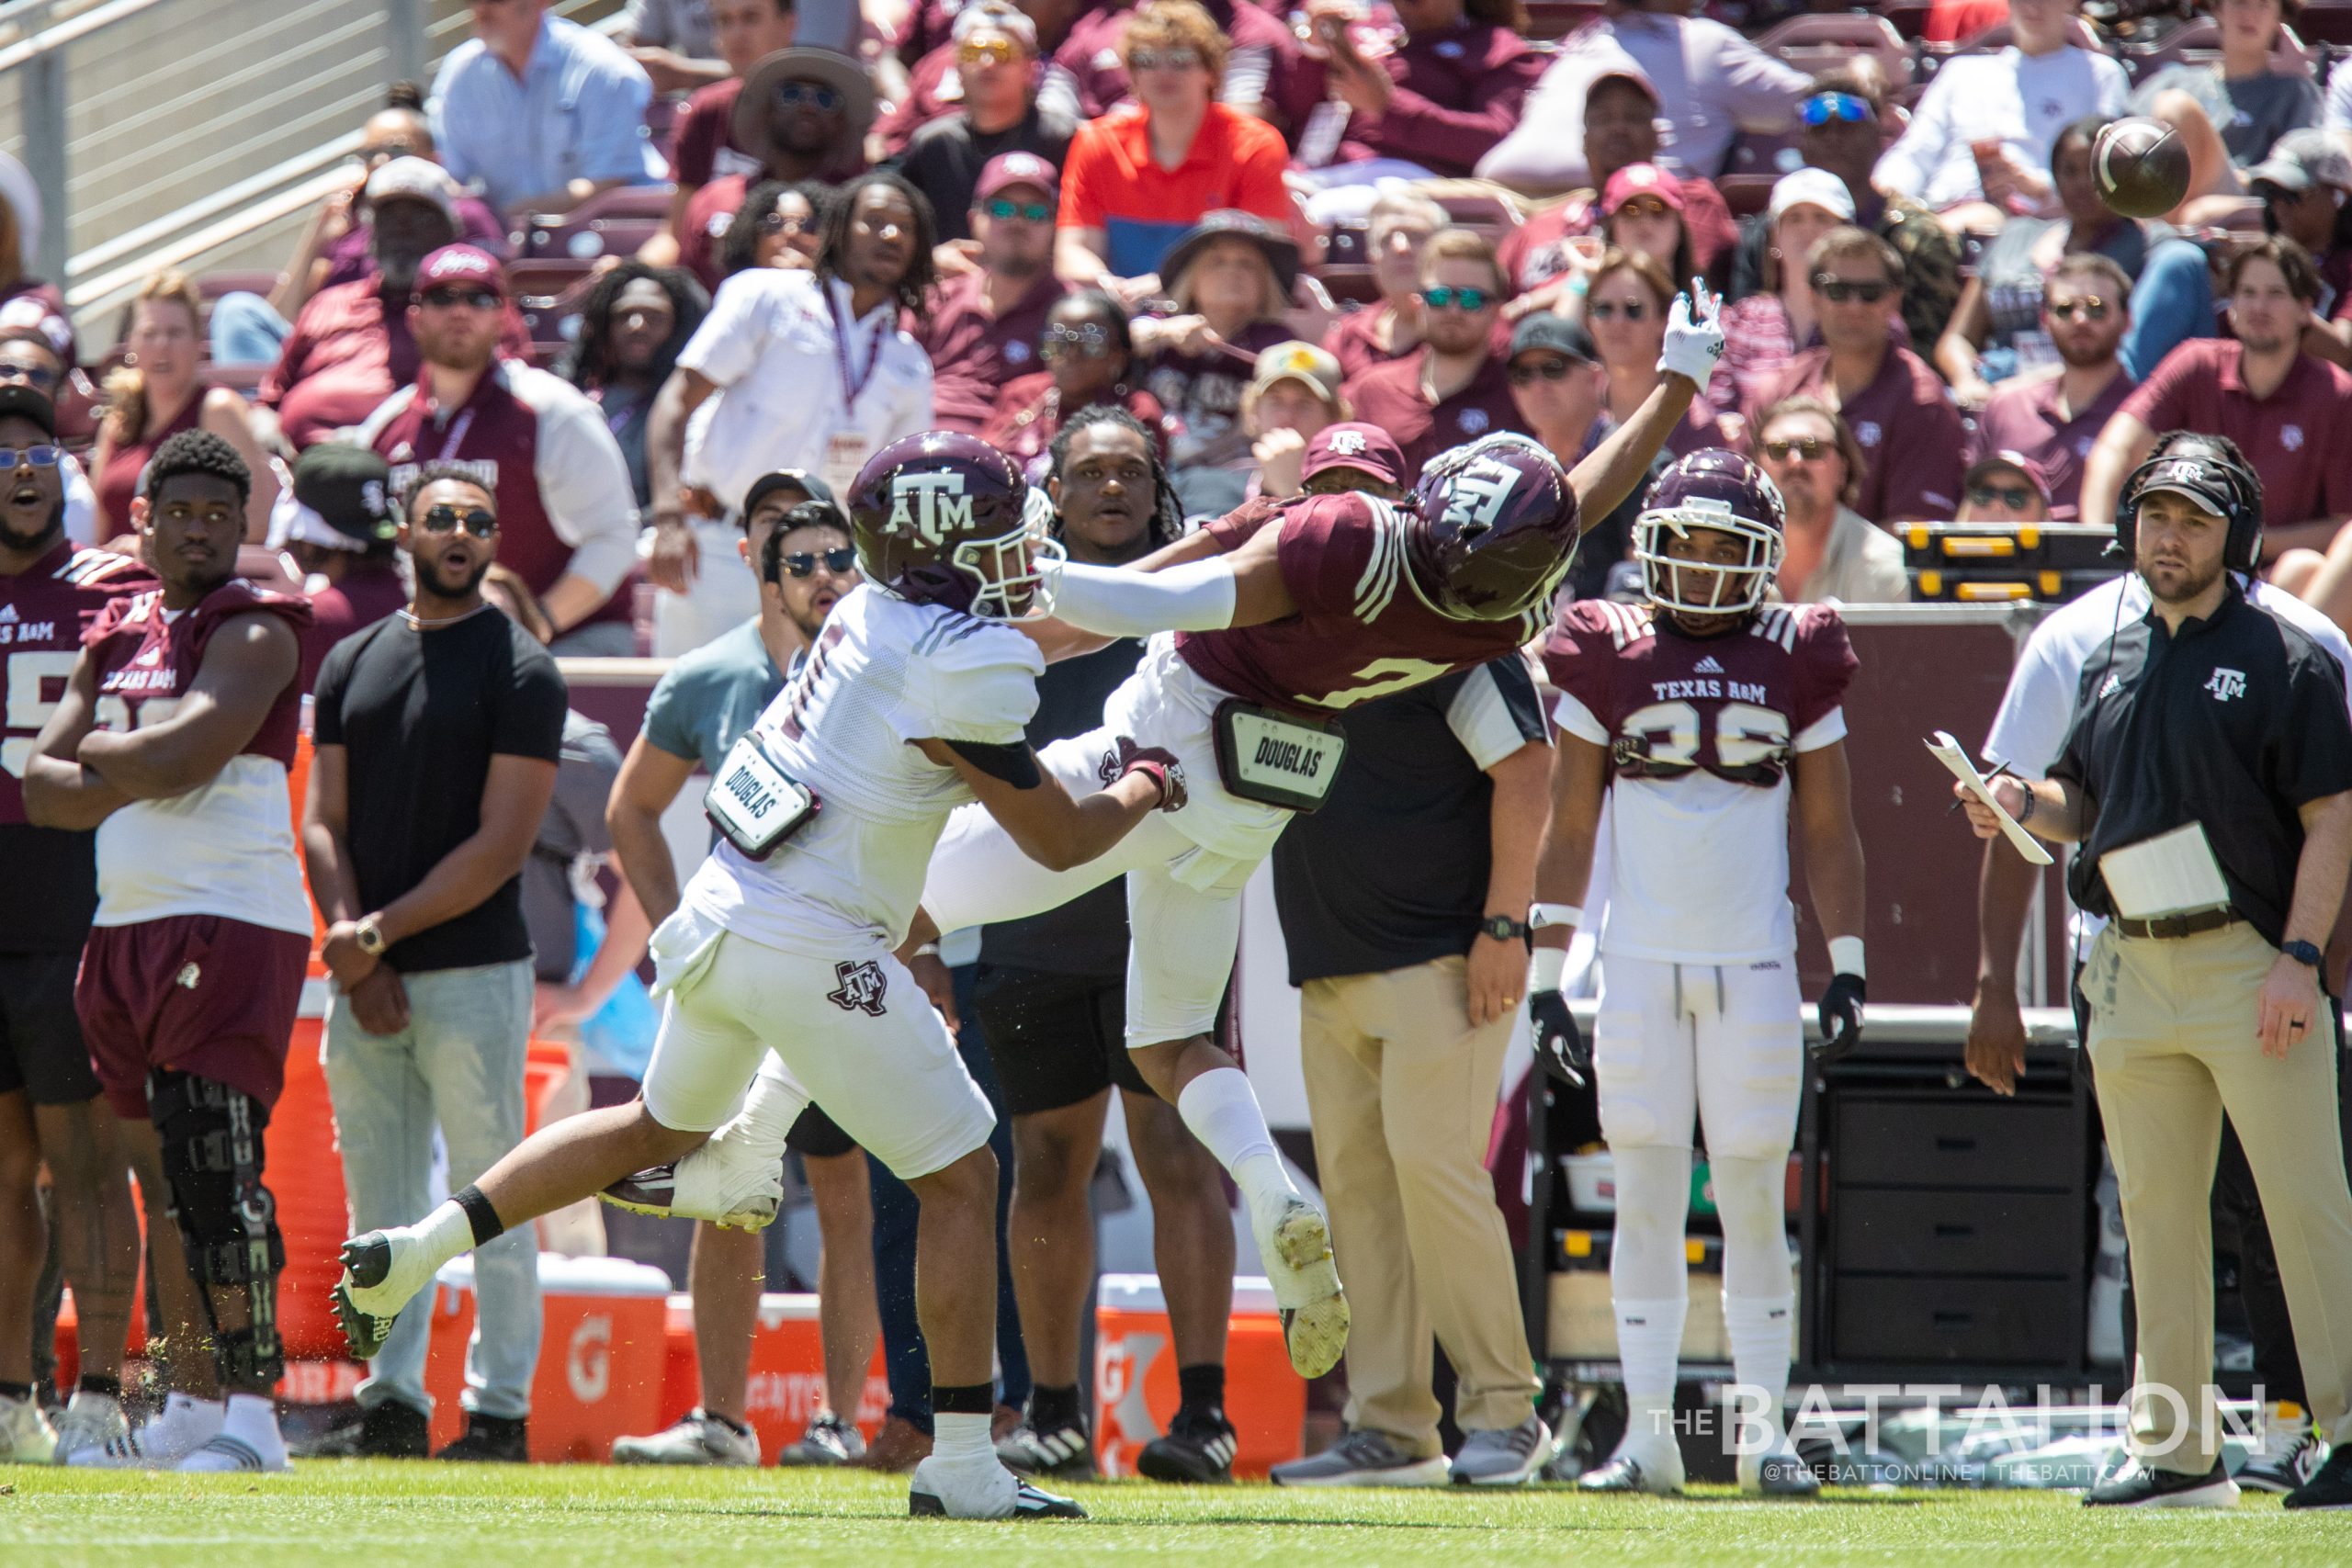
pixel 814 1132
pixel 1055 1038
pixel 41 1048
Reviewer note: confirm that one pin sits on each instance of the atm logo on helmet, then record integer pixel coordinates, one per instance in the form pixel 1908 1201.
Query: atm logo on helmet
pixel 934 505
pixel 1476 495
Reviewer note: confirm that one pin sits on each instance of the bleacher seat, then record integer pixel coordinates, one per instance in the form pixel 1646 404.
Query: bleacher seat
pixel 610 223
pixel 549 293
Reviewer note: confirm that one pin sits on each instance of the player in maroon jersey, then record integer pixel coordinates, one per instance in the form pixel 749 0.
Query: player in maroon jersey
pixel 1699 722
pixel 173 740
pixel 1287 614
pixel 51 592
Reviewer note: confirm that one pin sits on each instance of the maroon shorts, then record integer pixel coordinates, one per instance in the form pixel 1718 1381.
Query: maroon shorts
pixel 199 994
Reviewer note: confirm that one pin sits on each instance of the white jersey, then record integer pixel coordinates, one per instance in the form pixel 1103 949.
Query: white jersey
pixel 884 673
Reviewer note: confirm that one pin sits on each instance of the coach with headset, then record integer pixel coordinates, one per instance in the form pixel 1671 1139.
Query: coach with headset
pixel 2208 776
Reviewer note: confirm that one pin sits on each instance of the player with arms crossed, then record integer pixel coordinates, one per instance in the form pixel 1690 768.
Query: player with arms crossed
pixel 1700 721
pixel 779 963
pixel 174 740
pixel 1287 614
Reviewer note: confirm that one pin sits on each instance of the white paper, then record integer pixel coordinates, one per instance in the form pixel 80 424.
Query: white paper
pixel 2171 874
pixel 1949 753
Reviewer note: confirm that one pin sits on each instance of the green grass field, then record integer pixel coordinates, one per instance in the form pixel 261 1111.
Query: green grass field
pixel 499 1516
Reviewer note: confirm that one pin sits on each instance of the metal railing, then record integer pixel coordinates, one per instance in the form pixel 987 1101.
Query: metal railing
pixel 167 132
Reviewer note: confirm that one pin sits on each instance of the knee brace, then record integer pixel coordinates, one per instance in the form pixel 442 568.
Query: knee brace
pixel 211 1146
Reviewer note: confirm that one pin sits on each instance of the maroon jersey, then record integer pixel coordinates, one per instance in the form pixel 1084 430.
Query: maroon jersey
pixel 1362 628
pixel 44 613
pixel 1734 704
pixel 148 657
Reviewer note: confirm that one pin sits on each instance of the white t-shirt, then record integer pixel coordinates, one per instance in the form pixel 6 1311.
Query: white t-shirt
pixel 884 673
pixel 2023 101
pixel 774 341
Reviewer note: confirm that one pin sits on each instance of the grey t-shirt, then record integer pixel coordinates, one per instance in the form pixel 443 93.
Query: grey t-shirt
pixel 573 826
pixel 2250 112
pixel 712 696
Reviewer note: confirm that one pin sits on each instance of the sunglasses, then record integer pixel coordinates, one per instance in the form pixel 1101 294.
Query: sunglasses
pixel 2089 308
pixel 1005 211
pixel 27 375
pixel 474 520
pixel 792 94
pixel 803 563
pixel 1642 207
pixel 1838 290
pixel 1609 309
pixel 1444 299
pixel 1089 341
pixel 1811 448
pixel 996 51
pixel 1843 108
pixel 1180 59
pixel 42 456
pixel 1528 373
pixel 778 223
pixel 2017 497
pixel 443 298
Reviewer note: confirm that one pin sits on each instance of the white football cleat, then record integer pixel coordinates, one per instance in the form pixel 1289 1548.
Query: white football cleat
pixel 25 1435
pixel 382 1272
pixel 1297 1252
pixel 182 1426
pixel 985 1491
pixel 721 1182
pixel 91 1421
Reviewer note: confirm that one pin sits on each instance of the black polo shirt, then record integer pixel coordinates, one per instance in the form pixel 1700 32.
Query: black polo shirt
pixel 1392 871
pixel 2235 723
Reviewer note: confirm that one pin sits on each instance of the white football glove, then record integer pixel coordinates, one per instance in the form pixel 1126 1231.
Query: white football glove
pixel 1694 335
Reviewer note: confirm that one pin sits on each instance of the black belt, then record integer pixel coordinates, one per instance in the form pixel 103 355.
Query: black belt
pixel 2168 927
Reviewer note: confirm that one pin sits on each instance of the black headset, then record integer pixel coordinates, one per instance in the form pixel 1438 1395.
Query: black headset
pixel 2242 551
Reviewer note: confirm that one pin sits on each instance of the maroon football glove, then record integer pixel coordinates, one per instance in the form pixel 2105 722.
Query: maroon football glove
pixel 1160 764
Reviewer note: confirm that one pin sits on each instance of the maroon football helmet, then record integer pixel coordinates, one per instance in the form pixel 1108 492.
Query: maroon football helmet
pixel 1724 492
pixel 1495 528
pixel 943 519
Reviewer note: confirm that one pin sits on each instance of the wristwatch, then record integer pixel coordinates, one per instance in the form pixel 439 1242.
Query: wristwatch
pixel 371 937
pixel 2304 953
pixel 1502 928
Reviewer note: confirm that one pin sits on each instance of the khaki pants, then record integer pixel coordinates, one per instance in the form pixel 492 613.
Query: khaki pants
pixel 2172 1047
pixel 1401 1091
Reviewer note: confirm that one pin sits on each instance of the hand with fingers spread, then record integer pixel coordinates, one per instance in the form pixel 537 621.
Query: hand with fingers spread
pixel 1694 335
pixel 1560 1048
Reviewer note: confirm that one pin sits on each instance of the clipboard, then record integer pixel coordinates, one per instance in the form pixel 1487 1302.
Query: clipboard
pixel 1954 757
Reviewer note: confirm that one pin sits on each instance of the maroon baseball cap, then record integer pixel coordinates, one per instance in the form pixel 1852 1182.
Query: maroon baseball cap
pixel 1366 448
pixel 1008 169
pixel 464 265
pixel 2026 468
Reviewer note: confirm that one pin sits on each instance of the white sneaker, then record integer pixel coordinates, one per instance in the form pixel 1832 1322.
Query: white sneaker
pixel 695 1438
pixel 25 1435
pixel 1297 1252
pixel 182 1426
pixel 1650 1463
pixel 2286 1454
pixel 382 1272
pixel 91 1421
pixel 721 1182
pixel 248 1442
pixel 983 1491
pixel 1363 1458
pixel 828 1440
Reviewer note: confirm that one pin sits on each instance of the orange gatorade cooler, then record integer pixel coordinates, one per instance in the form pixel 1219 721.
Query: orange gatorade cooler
pixel 600 1359
pixel 787 1381
pixel 1134 1376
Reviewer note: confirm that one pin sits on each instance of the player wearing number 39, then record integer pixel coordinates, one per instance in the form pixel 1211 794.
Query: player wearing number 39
pixel 779 970
pixel 1697 721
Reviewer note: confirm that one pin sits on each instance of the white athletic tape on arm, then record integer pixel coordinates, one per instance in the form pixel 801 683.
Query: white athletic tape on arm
pixel 1196 596
pixel 1846 956
pixel 1545 967
pixel 1541 916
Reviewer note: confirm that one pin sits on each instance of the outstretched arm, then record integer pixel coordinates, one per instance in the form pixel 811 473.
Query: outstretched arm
pixel 1694 341
pixel 1053 829
pixel 1242 589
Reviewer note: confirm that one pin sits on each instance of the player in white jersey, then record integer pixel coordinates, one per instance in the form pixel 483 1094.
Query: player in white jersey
pixel 781 963
pixel 1700 722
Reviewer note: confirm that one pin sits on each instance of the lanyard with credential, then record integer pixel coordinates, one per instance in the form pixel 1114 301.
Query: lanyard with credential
pixel 853 382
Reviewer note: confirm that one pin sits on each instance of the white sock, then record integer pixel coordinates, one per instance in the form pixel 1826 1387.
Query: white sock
pixel 187 1410
pixel 254 1421
pixel 447 1232
pixel 771 1105
pixel 1649 1341
pixel 961 1439
pixel 1221 1109
pixel 1758 1327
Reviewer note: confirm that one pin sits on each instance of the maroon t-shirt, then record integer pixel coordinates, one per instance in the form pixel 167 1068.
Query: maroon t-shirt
pixel 1351 341
pixel 365 596
pixel 1362 627
pixel 1909 431
pixel 1390 396
pixel 703 145
pixel 1091 55
pixel 1622 661
pixel 975 353
pixel 144 654
pixel 2296 438
pixel 2027 419
pixel 1458 92
pixel 118 482
pixel 1029 414
pixel 1535 251
pixel 347 352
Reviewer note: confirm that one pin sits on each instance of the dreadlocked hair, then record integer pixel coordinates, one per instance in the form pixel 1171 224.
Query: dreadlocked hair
pixel 914 285
pixel 585 365
pixel 1167 512
pixel 739 248
pixel 196 452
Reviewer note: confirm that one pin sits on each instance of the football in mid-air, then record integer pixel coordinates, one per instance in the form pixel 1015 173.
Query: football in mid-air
pixel 2142 167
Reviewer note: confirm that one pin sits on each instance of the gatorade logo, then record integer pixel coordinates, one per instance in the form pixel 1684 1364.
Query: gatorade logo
pixel 588 1362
